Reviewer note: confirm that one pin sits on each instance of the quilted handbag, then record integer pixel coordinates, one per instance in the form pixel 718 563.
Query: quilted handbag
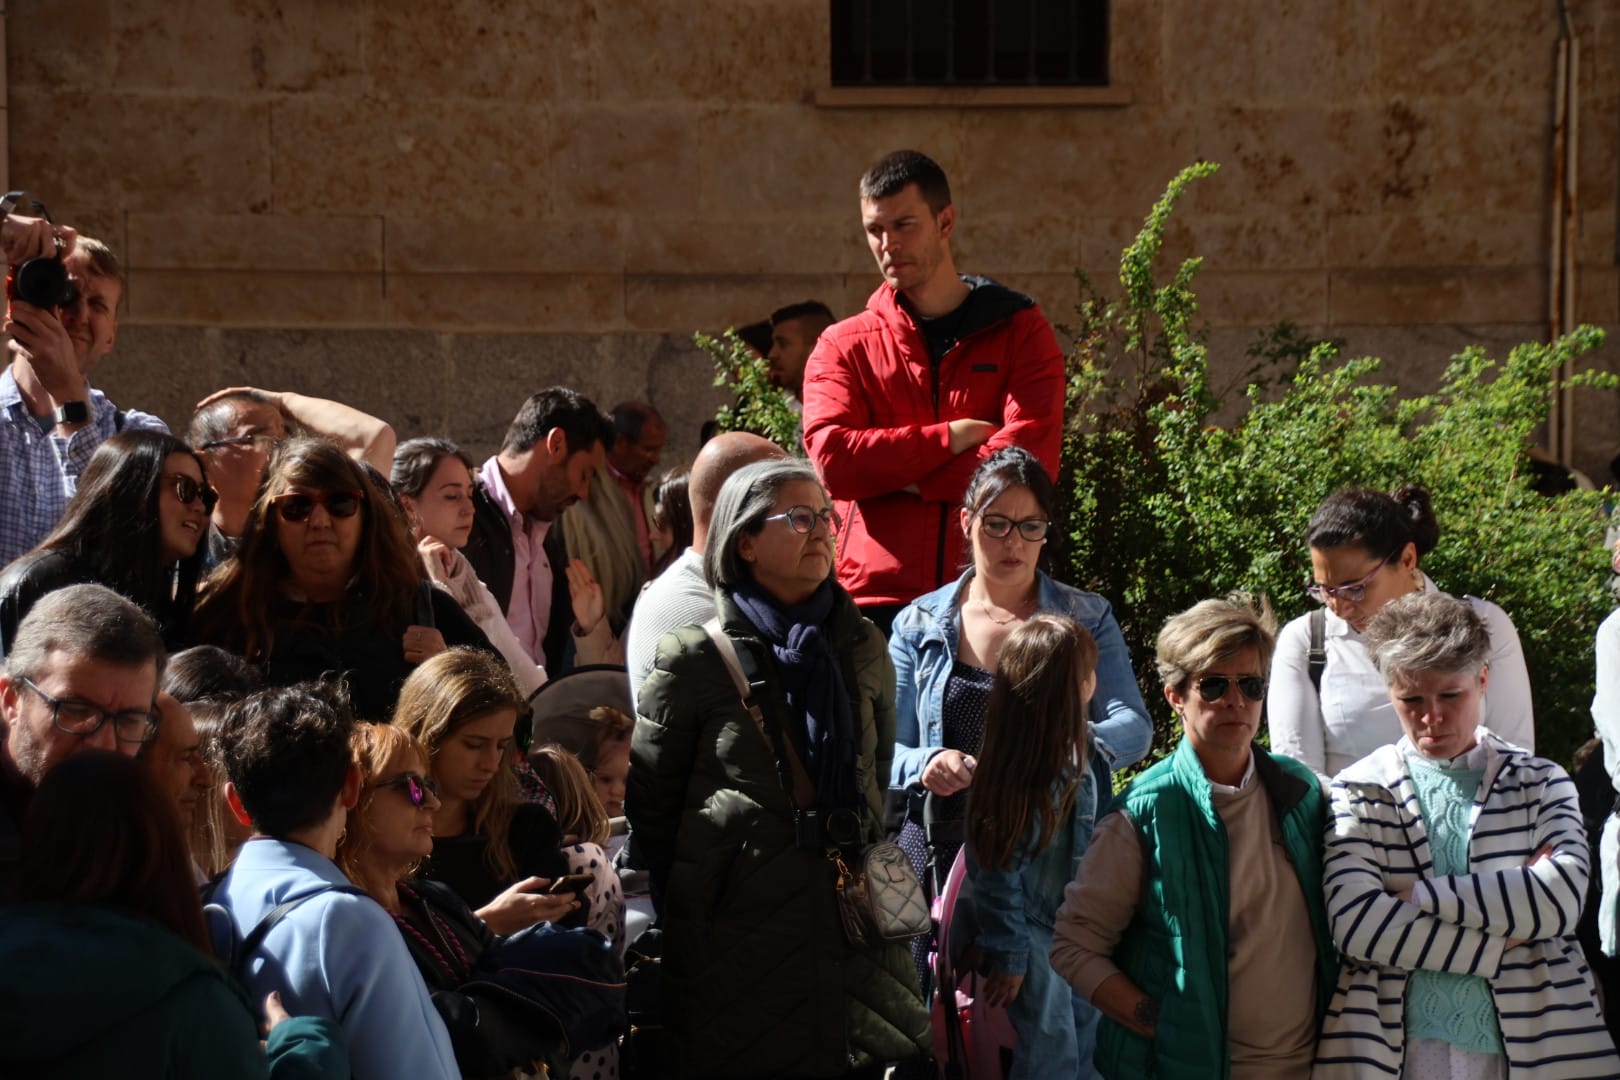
pixel 879 896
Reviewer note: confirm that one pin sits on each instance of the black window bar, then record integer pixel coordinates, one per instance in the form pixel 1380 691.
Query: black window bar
pixel 969 42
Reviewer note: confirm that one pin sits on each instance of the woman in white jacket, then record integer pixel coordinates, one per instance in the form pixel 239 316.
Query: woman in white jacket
pixel 1365 547
pixel 1454 871
pixel 434 482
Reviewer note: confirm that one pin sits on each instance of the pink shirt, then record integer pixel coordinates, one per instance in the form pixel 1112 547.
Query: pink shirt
pixel 529 611
pixel 638 511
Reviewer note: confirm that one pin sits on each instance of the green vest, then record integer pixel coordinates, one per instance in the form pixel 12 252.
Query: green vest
pixel 1175 947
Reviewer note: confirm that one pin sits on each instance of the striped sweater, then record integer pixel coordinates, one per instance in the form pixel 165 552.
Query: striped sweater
pixel 1377 846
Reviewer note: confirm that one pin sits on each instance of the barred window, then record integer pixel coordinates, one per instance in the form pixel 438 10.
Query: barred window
pixel 969 42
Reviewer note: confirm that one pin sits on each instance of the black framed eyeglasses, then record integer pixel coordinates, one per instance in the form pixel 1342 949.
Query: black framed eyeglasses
pixel 188 490
pixel 417 788
pixel 1214 687
pixel 296 506
pixel 1353 593
pixel 802 519
pixel 997 526
pixel 72 717
pixel 263 443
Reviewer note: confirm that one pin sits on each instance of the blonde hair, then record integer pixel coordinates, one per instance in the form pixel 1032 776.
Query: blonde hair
pixel 375 746
pixel 1210 631
pixel 207 838
pixel 444 693
pixel 579 812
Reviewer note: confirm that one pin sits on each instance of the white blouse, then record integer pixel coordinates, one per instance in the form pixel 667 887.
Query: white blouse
pixel 1353 716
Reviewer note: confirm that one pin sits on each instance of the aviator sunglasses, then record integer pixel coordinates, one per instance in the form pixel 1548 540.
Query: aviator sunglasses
pixel 296 506
pixel 1214 687
pixel 417 788
pixel 188 491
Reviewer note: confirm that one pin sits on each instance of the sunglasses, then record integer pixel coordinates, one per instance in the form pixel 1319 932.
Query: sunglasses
pixel 417 788
pixel 189 491
pixel 802 519
pixel 1213 688
pixel 298 505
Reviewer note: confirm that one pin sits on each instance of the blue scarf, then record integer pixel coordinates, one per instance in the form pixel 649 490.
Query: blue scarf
pixel 820 721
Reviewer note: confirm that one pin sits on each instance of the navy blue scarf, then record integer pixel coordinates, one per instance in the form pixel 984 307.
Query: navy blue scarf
pixel 818 703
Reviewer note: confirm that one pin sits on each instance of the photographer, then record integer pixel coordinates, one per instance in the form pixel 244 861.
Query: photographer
pixel 51 421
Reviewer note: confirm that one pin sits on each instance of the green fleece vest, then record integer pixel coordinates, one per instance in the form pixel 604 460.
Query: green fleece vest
pixel 1175 947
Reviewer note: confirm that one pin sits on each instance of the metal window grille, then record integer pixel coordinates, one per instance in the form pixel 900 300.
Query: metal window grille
pixel 969 42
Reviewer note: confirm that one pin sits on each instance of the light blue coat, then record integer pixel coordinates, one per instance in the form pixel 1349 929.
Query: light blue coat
pixel 923 645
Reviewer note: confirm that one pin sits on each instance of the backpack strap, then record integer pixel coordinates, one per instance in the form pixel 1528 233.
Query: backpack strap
pixel 1316 659
pixel 790 771
pixel 241 951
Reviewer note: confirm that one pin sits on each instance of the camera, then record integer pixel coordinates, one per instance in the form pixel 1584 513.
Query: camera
pixel 42 281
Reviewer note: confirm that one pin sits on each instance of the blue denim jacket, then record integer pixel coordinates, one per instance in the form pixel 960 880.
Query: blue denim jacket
pixel 923 646
pixel 1007 901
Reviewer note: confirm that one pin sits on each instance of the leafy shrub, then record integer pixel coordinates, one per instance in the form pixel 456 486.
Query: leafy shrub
pixel 761 407
pixel 1164 510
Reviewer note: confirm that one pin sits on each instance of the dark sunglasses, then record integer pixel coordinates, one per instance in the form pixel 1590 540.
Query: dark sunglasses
pixel 1214 687
pixel 417 788
pixel 189 491
pixel 298 505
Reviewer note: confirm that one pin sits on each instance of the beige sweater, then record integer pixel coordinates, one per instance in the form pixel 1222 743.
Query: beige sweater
pixel 1271 953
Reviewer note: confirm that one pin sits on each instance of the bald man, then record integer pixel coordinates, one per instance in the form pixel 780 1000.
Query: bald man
pixel 680 596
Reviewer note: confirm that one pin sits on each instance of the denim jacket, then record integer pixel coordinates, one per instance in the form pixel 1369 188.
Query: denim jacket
pixel 1007 901
pixel 923 646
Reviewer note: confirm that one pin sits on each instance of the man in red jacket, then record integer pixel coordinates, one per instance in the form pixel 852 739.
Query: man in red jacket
pixel 903 401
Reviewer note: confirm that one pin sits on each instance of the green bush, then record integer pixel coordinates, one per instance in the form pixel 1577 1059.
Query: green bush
pixel 1164 509
pixel 760 407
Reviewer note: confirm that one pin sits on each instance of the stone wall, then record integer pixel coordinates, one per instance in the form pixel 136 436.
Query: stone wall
pixel 429 209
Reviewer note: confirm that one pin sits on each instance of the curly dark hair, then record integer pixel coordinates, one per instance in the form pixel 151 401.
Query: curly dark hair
pixel 287 751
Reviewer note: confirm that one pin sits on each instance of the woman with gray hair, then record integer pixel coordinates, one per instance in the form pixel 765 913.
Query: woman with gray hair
pixel 735 812
pixel 1195 924
pixel 1455 869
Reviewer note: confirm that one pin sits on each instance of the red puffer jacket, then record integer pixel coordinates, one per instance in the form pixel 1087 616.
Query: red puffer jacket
pixel 876 420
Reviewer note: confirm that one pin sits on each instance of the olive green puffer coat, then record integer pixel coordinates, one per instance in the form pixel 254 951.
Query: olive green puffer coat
pixel 758 978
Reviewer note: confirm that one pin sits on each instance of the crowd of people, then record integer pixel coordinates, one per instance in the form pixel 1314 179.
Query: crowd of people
pixel 359 757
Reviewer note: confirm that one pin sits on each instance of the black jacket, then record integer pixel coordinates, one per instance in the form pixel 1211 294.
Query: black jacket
pixel 759 979
pixel 29 577
pixel 489 551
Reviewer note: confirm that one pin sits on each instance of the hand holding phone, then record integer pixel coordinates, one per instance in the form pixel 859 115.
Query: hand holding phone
pixel 571 883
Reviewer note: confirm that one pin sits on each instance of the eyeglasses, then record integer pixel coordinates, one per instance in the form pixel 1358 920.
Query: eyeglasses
pixel 996 526
pixel 802 519
pixel 1352 593
pixel 417 788
pixel 1214 687
pixel 189 491
pixel 264 444
pixel 298 505
pixel 84 719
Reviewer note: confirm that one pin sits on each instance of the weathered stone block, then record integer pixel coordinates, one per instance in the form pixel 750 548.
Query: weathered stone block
pixel 1321 51
pixel 433 243
pixel 59 43
pixel 402 158
pixel 1396 239
pixel 487 49
pixel 1283 160
pixel 162 369
pixel 1597 298
pixel 1242 298
pixel 742 51
pixel 1439 48
pixel 254 298
pixel 185 241
pixel 1440 296
pixel 682 303
pixel 505 303
pixel 741 246
pixel 639 160
pixel 213 154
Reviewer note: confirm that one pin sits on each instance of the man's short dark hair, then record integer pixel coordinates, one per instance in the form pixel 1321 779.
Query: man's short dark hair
pixel 805 309
pixel 89 621
pixel 892 173
pixel 558 407
pixel 630 417
pixel 215 420
pixel 287 751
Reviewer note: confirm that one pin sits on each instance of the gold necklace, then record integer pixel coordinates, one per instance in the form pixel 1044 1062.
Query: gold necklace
pixel 984 606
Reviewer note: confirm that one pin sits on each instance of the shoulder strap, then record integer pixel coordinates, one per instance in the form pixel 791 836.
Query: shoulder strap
pixel 789 770
pixel 255 937
pixel 1316 659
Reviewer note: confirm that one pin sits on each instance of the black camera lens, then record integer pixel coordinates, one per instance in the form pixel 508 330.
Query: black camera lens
pixel 44 283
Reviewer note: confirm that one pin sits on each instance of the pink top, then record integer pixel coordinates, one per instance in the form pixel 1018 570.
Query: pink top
pixel 638 512
pixel 529 611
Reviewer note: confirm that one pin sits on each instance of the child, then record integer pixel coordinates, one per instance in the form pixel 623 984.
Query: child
pixel 1030 813
pixel 579 809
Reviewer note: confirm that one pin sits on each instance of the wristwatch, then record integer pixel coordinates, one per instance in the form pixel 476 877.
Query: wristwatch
pixel 71 412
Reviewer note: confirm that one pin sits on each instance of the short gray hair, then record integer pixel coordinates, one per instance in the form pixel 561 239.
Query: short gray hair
pixel 745 499
pixel 1211 631
pixel 84 620
pixel 1426 632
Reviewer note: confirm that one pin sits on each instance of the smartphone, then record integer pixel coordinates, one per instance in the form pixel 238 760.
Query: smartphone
pixel 571 883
